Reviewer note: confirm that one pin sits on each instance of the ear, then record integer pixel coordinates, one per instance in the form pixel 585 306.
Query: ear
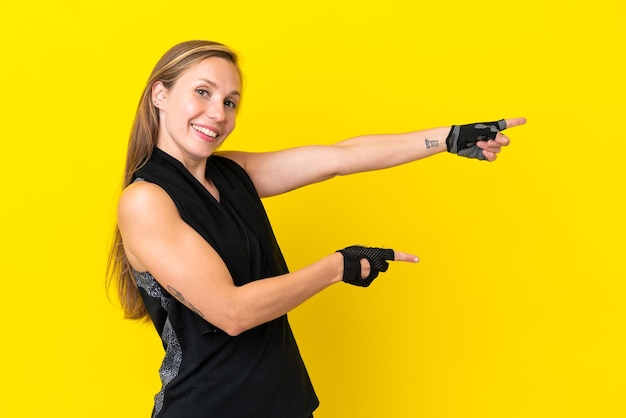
pixel 159 94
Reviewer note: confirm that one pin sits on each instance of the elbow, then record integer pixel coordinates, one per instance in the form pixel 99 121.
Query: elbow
pixel 237 314
pixel 234 323
pixel 233 329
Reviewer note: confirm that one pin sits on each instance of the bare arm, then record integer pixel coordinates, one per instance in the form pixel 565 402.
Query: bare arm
pixel 278 172
pixel 156 239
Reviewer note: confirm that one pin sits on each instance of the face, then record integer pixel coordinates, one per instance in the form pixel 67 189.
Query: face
pixel 198 112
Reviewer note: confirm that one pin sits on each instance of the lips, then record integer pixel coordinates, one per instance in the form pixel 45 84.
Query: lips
pixel 205 131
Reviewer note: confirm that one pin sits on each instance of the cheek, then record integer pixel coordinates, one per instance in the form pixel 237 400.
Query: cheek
pixel 191 109
pixel 180 119
pixel 230 123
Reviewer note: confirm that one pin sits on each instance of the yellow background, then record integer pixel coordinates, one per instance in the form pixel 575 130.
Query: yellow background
pixel 517 307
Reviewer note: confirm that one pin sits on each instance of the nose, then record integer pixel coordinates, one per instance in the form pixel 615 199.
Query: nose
pixel 215 111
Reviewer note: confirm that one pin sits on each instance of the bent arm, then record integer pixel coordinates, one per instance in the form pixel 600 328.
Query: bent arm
pixel 157 240
pixel 277 172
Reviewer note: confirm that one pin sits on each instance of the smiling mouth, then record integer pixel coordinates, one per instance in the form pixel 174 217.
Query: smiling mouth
pixel 205 131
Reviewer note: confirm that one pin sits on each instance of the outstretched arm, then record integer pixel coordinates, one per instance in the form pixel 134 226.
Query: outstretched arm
pixel 280 171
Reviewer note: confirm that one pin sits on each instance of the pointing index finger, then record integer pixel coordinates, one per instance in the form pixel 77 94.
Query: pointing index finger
pixel 401 256
pixel 510 123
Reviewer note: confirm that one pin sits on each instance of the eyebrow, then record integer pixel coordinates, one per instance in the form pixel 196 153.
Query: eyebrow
pixel 214 85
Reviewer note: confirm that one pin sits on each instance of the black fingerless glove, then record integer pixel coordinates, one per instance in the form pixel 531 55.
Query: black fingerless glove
pixel 352 263
pixel 462 138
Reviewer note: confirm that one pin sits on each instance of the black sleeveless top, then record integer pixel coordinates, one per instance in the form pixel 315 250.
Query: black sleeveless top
pixel 205 372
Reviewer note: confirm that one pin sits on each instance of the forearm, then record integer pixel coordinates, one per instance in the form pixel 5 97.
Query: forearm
pixel 375 152
pixel 264 300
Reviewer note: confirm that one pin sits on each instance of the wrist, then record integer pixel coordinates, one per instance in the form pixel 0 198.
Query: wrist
pixel 451 141
pixel 336 260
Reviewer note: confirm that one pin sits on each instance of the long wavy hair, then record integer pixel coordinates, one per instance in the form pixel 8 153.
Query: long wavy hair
pixel 143 138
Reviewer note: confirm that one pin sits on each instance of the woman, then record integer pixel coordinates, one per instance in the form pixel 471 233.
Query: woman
pixel 195 252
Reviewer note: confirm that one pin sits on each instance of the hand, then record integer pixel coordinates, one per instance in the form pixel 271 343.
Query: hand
pixel 480 140
pixel 362 264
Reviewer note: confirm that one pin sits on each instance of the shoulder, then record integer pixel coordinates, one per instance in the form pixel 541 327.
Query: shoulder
pixel 143 200
pixel 142 195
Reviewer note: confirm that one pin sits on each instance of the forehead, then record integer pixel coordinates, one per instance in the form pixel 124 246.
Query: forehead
pixel 219 71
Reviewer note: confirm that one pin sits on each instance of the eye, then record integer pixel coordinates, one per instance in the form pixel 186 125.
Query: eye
pixel 202 92
pixel 230 103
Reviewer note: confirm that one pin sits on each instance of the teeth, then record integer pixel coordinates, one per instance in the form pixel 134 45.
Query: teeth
pixel 205 131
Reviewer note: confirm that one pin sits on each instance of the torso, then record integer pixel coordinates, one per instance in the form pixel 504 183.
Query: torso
pixel 206 372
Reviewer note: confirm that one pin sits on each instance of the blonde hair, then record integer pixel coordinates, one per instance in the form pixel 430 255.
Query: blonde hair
pixel 143 137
